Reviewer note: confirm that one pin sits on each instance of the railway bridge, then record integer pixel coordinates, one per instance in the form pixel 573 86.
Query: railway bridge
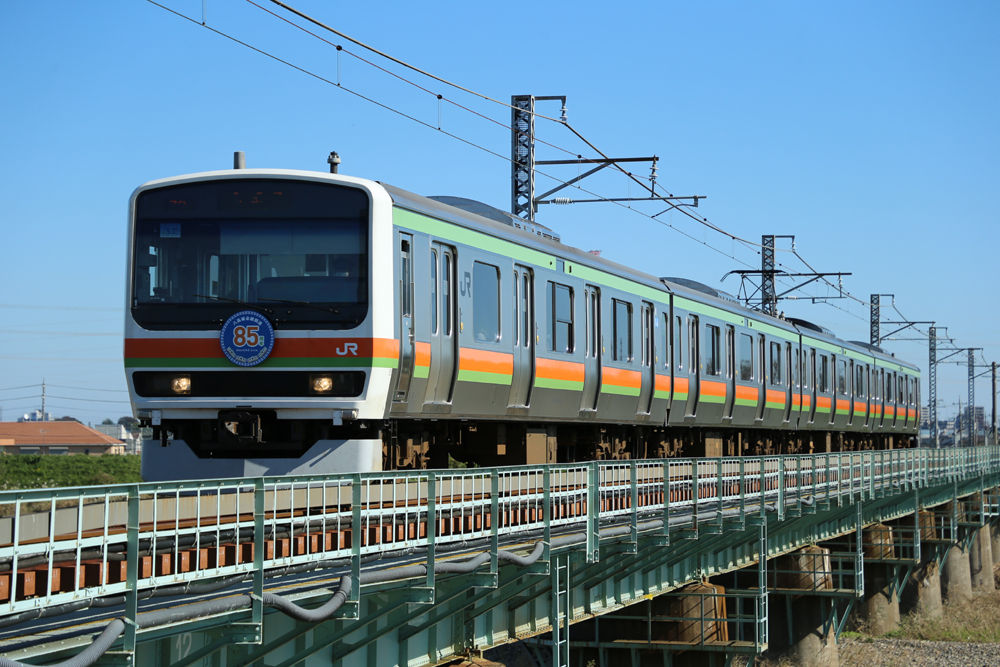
pixel 646 561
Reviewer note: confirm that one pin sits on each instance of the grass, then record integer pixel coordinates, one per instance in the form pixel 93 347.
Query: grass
pixel 39 471
pixel 974 621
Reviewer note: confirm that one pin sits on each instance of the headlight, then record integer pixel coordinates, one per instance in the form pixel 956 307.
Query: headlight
pixel 181 384
pixel 321 384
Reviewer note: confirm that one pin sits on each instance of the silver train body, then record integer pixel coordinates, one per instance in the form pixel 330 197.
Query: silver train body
pixel 292 322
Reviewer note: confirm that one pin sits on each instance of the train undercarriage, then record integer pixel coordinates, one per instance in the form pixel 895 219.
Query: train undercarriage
pixel 442 444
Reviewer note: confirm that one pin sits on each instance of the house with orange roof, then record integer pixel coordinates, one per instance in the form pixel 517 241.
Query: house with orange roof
pixel 56 437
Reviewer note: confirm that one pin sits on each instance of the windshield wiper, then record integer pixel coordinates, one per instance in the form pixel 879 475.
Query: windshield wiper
pixel 248 304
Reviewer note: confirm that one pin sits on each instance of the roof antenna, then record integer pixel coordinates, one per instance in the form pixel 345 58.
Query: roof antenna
pixel 334 162
pixel 239 160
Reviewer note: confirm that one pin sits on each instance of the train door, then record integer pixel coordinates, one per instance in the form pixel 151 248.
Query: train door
pixel 524 337
pixel 730 366
pixel 761 377
pixel 592 353
pixel 646 359
pixel 444 309
pixel 694 367
pixel 405 298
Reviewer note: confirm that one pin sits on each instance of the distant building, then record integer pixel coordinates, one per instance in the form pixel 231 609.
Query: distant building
pixel 121 433
pixel 67 437
pixel 35 416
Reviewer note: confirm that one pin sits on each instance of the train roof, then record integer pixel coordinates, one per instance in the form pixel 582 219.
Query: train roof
pixel 474 214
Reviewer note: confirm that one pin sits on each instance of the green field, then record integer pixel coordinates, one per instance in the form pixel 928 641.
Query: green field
pixel 38 471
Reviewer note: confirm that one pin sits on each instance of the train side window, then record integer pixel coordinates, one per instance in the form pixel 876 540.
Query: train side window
pixel 679 342
pixel 559 305
pixel 665 341
pixel 824 373
pixel 622 325
pixel 405 279
pixel 730 350
pixel 812 368
pixel 796 368
pixel 775 363
pixel 711 352
pixel 859 381
pixel 446 292
pixel 842 377
pixel 746 357
pixel 486 302
pixel 693 342
pixel 434 293
pixel 647 334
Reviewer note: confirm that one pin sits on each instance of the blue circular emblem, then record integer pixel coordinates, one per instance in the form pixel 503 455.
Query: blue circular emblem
pixel 247 338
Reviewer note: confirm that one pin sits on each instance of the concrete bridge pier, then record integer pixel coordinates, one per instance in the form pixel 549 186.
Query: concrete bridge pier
pixel 981 561
pixel 956 578
pixel 922 595
pixel 995 543
pixel 801 626
pixel 879 610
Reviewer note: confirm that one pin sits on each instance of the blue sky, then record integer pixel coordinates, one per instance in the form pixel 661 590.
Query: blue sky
pixel 867 130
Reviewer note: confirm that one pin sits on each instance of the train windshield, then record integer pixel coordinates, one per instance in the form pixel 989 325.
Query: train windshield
pixel 295 250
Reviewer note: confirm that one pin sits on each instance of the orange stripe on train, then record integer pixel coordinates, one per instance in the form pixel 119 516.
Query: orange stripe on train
pixel 621 377
pixel 553 369
pixel 484 361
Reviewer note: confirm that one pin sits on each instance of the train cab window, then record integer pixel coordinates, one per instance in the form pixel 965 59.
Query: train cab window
pixel 746 357
pixel 486 302
pixel 622 334
pixel 824 373
pixel 775 363
pixel 842 377
pixel 559 305
pixel 711 353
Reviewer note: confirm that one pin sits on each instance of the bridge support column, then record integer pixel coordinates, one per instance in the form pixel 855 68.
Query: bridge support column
pixel 880 611
pixel 803 624
pixel 981 561
pixel 995 543
pixel 923 594
pixel 956 579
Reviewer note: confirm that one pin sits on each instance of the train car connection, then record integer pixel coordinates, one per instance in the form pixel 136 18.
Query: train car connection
pixel 297 322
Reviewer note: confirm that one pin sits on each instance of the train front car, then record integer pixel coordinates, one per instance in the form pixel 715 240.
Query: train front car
pixel 253 343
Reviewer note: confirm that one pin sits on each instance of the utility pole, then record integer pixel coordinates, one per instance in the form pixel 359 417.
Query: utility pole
pixel 524 202
pixel 43 400
pixel 768 293
pixel 993 417
pixel 932 383
pixel 993 411
pixel 972 399
pixel 873 337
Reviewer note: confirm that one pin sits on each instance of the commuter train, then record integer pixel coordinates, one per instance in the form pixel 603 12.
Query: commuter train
pixel 294 322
